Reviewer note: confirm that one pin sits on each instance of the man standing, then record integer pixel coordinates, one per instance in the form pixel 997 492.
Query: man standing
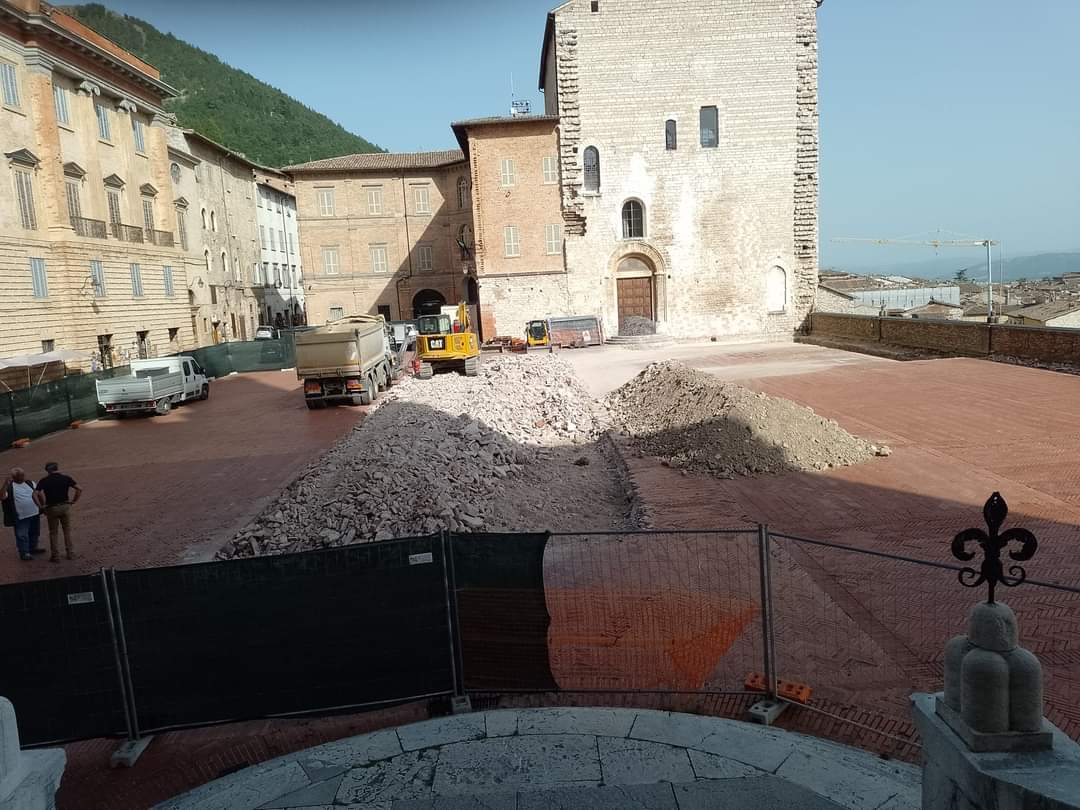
pixel 53 495
pixel 21 512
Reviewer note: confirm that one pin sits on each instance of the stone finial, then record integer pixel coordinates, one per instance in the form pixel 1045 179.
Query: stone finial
pixel 993 687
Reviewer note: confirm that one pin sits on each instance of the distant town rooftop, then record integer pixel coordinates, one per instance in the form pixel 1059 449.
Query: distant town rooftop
pixel 1051 309
pixel 380 161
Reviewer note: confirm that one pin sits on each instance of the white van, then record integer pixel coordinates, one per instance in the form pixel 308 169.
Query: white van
pixel 153 386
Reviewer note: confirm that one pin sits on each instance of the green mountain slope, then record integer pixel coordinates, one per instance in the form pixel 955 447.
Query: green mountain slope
pixel 225 104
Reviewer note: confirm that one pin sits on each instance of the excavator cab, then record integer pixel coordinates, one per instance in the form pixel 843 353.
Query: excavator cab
pixel 443 341
pixel 536 333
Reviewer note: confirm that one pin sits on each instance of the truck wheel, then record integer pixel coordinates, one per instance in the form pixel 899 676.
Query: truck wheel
pixel 315 404
pixel 163 407
pixel 426 372
pixel 205 393
pixel 364 398
pixel 472 366
pixel 383 378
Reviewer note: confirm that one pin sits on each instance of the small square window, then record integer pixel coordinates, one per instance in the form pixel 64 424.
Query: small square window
pixel 594 6
pixel 48 345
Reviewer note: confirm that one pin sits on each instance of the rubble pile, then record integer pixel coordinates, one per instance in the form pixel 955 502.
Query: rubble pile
pixel 434 454
pixel 636 326
pixel 692 420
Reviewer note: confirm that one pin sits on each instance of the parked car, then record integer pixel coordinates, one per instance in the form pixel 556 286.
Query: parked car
pixel 153 386
pixel 266 333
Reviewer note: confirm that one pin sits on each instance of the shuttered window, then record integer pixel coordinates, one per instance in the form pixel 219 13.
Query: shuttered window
pixel 511 243
pixel 181 226
pixel 10 84
pixel 24 187
pixel 60 103
pixel 553 238
pixel 114 206
pixel 507 175
pixel 74 207
pixel 97 275
pixel 39 278
pixel 137 131
pixel 166 274
pixel 136 281
pixel 104 130
pixel 148 215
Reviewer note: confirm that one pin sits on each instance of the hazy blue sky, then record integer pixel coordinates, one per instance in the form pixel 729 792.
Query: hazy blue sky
pixel 962 115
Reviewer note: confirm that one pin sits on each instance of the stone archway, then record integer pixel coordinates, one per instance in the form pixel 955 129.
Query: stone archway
pixel 427 302
pixel 639 272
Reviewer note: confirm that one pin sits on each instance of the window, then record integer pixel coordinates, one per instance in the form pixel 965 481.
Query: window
pixel 174 333
pixel 59 95
pixel 204 219
pixel 281 240
pixel 140 135
pixel 104 131
pixel 105 351
pixel 166 274
pixel 463 200
pixel 113 197
pixel 374 200
pixel 384 310
pixel 213 221
pixel 776 289
pixel 511 243
pixel 633 220
pixel 136 281
pixel 325 197
pixel 551 170
pixel 423 257
pixel 671 140
pixel 11 84
pixel 181 226
pixel 97 276
pixel 710 127
pixel 553 239
pixel 378 259
pixel 73 204
pixel 277 203
pixel 273 240
pixel 24 187
pixel 259 197
pixel 591 164
pixel 277 274
pixel 262 236
pixel 174 173
pixel 506 172
pixel 329 261
pixel 148 215
pixel 213 291
pixel 291 244
pixel 336 313
pixel 594 6
pixel 464 241
pixel 142 343
pixel 39 278
pixel 265 277
pixel 422 195
pixel 48 345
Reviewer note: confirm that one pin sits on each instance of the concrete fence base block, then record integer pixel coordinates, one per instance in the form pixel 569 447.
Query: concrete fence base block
pixel 765 711
pixel 461 705
pixel 129 751
pixel 28 779
pixel 957 778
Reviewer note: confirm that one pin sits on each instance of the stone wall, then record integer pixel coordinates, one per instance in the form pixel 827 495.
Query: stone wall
pixel 1041 344
pixel 509 302
pixel 717 220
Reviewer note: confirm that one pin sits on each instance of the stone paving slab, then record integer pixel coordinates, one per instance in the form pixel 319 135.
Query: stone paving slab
pixel 544 759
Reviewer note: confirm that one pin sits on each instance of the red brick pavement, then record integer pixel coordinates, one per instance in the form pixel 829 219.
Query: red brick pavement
pixel 173 488
pixel 862 631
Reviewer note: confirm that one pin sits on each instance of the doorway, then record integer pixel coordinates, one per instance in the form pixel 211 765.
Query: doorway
pixel 635 297
pixel 427 302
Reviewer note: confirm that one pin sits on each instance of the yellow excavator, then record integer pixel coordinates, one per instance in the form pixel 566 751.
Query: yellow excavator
pixel 445 341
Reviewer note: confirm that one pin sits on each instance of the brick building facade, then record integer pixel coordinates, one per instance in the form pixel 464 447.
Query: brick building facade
pixel 384 233
pixel 688 151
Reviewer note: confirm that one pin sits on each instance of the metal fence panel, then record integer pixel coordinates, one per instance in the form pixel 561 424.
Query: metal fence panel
pixel 60 665
pixel 41 409
pixel 656 611
pixel 287 634
pixel 502 616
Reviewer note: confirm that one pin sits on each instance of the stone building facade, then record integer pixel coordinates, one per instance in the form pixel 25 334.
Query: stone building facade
pixel 89 254
pixel 386 234
pixel 688 159
pixel 517 220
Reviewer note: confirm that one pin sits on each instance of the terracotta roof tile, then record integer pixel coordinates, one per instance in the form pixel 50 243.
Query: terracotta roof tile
pixel 381 161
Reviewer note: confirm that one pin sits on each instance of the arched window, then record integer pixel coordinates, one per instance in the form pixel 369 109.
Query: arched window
pixel 671 140
pixel 463 200
pixel 776 289
pixel 206 258
pixel 591 164
pixel 213 221
pixel 224 265
pixel 204 219
pixel 633 220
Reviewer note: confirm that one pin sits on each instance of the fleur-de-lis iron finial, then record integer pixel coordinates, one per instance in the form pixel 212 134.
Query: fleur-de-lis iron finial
pixel 992 571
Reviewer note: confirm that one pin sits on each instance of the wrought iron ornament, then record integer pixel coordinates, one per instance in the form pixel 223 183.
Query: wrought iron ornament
pixel 992 571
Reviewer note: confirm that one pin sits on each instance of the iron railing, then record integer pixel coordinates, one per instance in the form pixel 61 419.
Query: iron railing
pixel 127 233
pixel 160 238
pixel 89 227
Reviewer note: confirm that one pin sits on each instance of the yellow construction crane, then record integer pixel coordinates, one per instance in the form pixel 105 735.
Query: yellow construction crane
pixel 939 243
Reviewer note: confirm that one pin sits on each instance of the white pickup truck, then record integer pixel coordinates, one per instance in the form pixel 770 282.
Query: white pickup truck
pixel 153 386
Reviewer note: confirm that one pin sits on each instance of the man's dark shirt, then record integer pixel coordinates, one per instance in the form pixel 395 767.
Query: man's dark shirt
pixel 56 487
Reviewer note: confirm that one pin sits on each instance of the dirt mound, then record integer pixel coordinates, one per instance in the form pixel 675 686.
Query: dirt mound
pixel 636 326
pixel 696 421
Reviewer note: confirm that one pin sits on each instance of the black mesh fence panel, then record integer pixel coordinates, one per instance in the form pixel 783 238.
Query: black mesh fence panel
pixel 7 421
pixel 287 634
pixel 60 667
pixel 41 409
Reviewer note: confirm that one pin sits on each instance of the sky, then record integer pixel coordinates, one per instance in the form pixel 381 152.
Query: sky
pixel 951 117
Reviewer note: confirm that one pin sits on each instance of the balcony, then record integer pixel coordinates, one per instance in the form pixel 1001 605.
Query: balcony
pixel 127 233
pixel 88 227
pixel 160 238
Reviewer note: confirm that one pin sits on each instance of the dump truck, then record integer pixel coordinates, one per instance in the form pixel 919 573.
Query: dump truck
pixel 347 361
pixel 446 341
pixel 153 386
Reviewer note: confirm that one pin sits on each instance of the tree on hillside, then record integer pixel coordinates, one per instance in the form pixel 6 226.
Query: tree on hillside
pixel 960 275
